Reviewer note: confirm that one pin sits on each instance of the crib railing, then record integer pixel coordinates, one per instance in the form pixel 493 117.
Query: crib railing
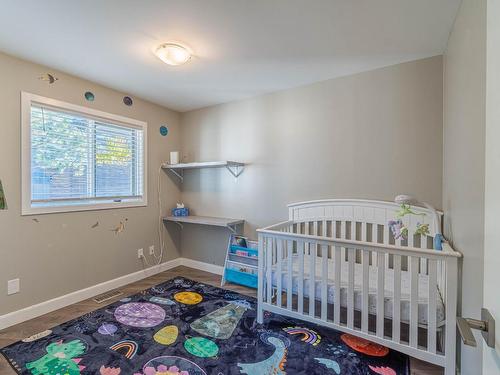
pixel 301 245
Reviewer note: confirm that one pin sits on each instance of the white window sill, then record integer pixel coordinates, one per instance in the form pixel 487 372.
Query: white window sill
pixel 76 206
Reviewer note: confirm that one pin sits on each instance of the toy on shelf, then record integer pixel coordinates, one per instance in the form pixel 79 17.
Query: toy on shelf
pixel 180 210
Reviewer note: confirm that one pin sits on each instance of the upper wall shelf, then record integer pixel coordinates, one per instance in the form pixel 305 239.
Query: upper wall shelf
pixel 234 167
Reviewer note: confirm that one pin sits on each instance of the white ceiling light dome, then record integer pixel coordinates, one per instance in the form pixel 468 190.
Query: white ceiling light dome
pixel 173 53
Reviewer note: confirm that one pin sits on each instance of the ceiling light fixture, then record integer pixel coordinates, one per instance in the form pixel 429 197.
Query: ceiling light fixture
pixel 173 54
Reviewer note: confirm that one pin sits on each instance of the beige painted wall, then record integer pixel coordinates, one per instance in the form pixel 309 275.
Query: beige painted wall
pixel 464 166
pixel 491 356
pixel 369 135
pixel 61 253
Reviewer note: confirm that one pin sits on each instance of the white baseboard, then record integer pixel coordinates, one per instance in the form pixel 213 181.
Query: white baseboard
pixel 45 307
pixel 207 267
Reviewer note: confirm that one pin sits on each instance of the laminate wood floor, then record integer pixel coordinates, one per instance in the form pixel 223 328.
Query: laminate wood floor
pixel 47 321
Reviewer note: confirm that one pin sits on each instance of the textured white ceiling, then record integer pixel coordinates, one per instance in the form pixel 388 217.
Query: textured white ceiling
pixel 243 47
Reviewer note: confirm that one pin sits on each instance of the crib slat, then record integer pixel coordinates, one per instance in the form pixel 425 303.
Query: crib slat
pixel 375 238
pixel 423 261
pixel 353 230
pixel 414 263
pixel 324 282
pixel 386 241
pixel 300 302
pixel 312 277
pixel 279 272
pixel 336 302
pixel 350 288
pixel 269 266
pixel 431 313
pixel 380 295
pixel 289 292
pixel 260 278
pixel 396 301
pixel 366 285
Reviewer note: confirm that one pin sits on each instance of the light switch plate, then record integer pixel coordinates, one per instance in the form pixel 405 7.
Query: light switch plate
pixel 13 286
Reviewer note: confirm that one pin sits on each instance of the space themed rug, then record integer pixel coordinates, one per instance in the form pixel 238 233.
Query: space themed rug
pixel 183 327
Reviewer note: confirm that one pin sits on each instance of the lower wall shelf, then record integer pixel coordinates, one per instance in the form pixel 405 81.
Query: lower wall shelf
pixel 230 224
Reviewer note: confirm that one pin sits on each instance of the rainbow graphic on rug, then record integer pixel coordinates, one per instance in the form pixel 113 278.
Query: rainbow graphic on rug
pixel 126 347
pixel 309 336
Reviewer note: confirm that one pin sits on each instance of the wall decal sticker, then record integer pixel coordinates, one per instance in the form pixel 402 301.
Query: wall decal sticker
pixel 127 100
pixel 3 202
pixel 89 96
pixel 47 77
pixel 163 130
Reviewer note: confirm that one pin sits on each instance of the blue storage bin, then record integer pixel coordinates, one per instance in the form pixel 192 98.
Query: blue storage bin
pixel 250 252
pixel 241 278
pixel 180 211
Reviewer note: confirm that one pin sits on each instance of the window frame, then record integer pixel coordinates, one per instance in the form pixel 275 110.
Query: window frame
pixel 27 99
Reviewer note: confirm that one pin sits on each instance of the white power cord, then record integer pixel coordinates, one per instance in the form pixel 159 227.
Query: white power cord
pixel 158 259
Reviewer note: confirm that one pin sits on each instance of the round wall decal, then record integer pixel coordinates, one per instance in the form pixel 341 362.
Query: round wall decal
pixel 89 96
pixel 127 100
pixel 163 130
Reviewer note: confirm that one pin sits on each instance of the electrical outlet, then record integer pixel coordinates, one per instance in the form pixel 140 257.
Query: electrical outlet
pixel 13 286
pixel 140 253
pixel 152 250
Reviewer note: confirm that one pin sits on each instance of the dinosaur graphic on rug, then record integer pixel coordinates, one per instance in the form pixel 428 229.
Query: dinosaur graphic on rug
pixel 60 359
pixel 274 365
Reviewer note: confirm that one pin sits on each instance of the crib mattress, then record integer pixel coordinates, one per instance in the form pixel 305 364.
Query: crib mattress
pixel 423 289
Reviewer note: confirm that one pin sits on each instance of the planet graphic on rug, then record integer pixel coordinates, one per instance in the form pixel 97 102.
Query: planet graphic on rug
pixel 163 364
pixel 201 347
pixel 364 346
pixel 140 314
pixel 188 298
pixel 107 329
pixel 167 335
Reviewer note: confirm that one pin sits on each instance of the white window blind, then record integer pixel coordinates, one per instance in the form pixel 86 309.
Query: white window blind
pixel 80 160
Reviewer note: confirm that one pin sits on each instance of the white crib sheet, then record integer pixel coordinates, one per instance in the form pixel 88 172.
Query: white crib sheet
pixel 423 290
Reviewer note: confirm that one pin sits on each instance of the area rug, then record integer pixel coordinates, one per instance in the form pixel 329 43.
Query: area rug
pixel 182 327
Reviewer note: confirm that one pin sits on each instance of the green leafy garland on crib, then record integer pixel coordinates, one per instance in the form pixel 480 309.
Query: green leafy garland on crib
pixel 400 230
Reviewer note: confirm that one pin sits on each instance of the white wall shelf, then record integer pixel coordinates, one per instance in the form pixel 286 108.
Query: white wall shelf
pixel 230 224
pixel 234 167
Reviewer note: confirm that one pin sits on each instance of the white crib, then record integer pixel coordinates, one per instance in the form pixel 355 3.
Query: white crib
pixel 400 293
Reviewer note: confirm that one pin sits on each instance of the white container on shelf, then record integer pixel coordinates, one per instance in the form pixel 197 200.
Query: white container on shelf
pixel 174 157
